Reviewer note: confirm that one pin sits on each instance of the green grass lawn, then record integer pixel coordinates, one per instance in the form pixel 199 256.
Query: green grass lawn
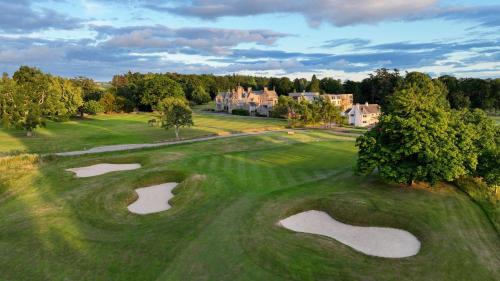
pixel 223 224
pixel 122 129
pixel 496 119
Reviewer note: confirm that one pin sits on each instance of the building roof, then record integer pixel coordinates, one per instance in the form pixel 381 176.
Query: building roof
pixel 365 108
pixel 298 94
pixel 245 93
pixel 368 108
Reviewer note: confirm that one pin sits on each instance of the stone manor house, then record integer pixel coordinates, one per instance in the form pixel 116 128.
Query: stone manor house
pixel 256 102
pixel 262 103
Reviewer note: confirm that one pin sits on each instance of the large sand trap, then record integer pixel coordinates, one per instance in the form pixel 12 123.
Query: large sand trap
pixel 153 199
pixel 100 169
pixel 375 241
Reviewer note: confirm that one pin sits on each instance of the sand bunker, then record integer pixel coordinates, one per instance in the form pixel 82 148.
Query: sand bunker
pixel 375 241
pixel 153 199
pixel 100 169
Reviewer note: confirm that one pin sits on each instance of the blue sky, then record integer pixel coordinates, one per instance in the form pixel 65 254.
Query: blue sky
pixel 343 39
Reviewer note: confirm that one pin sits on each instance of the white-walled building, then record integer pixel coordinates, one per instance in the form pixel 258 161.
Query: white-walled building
pixel 364 115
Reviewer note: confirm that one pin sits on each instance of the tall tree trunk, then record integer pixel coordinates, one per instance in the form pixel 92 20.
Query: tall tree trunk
pixel 177 133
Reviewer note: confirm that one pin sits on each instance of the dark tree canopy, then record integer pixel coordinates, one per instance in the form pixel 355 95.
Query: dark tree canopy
pixel 419 138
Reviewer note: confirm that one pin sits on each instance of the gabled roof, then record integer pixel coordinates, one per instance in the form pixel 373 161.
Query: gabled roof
pixel 369 108
pixel 365 108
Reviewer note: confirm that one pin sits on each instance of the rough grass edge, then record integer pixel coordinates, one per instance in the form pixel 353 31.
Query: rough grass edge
pixel 484 196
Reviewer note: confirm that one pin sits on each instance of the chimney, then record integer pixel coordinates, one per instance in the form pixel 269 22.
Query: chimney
pixel 249 89
pixel 366 103
pixel 265 89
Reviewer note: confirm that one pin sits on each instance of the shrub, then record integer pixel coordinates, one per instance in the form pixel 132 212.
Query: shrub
pixel 92 107
pixel 242 112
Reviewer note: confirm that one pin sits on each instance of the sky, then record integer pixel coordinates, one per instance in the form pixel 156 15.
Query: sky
pixel 343 39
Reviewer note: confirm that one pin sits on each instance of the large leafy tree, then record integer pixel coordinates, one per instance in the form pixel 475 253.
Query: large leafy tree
pixel 418 138
pixel 157 87
pixel 176 114
pixel 23 99
pixel 64 99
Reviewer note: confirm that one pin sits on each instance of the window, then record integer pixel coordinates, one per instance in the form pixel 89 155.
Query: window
pixel 364 121
pixel 364 115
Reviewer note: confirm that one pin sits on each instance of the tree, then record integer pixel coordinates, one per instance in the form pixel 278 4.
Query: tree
pixel 157 87
pixel 176 114
pixel 109 103
pixel 92 107
pixel 489 167
pixel 199 96
pixel 281 109
pixel 330 85
pixel 330 113
pixel 314 85
pixel 314 109
pixel 352 87
pixel 63 100
pixel 379 86
pixel 282 86
pixel 90 90
pixel 417 138
pixel 299 85
pixel 24 98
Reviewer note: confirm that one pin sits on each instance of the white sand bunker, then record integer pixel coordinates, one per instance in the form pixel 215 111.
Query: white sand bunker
pixel 100 169
pixel 153 199
pixel 375 241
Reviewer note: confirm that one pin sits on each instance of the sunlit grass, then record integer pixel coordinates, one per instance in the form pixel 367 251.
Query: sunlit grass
pixel 223 224
pixel 123 129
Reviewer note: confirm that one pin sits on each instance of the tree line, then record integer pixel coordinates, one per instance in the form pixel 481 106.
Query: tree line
pixel 31 96
pixel 376 88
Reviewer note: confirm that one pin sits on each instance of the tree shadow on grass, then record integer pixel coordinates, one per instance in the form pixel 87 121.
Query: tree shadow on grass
pixel 87 133
pixel 55 226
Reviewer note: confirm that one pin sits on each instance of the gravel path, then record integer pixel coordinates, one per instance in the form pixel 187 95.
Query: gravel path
pixel 122 147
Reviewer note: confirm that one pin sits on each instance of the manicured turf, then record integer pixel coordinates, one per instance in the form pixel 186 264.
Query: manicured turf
pixel 222 226
pixel 123 129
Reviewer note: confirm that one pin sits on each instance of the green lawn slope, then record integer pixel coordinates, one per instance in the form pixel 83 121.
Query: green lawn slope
pixel 223 224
